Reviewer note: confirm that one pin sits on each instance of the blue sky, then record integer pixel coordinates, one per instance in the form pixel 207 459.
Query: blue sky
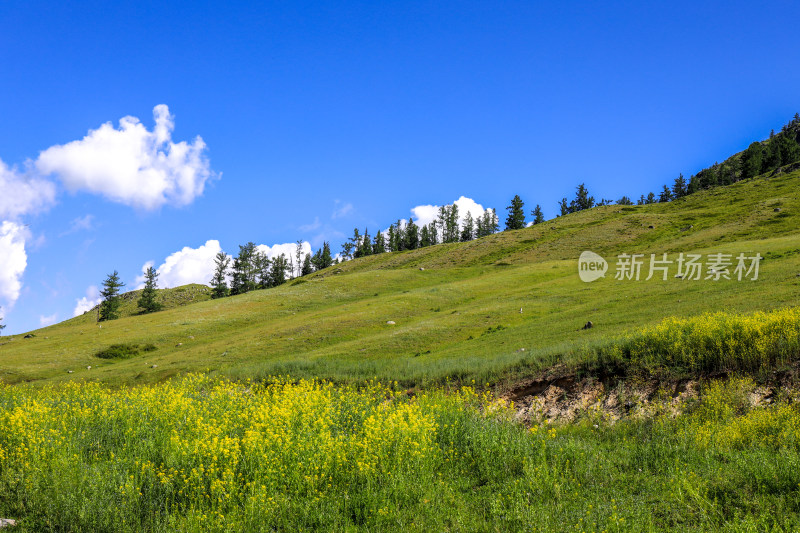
pixel 319 117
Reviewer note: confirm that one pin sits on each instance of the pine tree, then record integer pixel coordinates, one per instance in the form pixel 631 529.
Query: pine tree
pixel 308 268
pixel 563 207
pixel 278 271
pixel 349 248
pixel 537 215
pixel 379 244
pixel 244 270
pixel 393 239
pixel 751 160
pixel 400 236
pixel 2 326
pixel 262 266
pixel 412 235
pixel 480 230
pixel 441 222
pixel 582 199
pixel 424 237
pixel 299 255
pixel 516 214
pixel 366 244
pixel 219 284
pixel 147 302
pixel 679 187
pixel 451 227
pixel 666 195
pixel 326 260
pixel 624 201
pixel 494 223
pixel 651 198
pixel 468 231
pixel 433 233
pixel 109 307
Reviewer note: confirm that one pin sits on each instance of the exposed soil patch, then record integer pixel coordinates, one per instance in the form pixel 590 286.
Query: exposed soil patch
pixel 561 396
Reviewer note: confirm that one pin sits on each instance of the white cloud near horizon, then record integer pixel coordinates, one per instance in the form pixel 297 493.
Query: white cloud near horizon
pixel 45 321
pixel 88 302
pixel 289 249
pixel 425 214
pixel 188 265
pixel 23 194
pixel 131 164
pixel 13 261
pixel 196 265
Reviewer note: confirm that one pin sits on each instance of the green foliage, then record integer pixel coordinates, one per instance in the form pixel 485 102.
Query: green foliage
pixel 379 244
pixel 679 188
pixel 622 201
pixel 713 342
pixel 219 283
pixel 124 351
pixel 246 269
pixel 109 307
pixel 538 216
pixel 411 235
pixel 147 301
pixel 468 231
pixel 202 455
pixel 516 214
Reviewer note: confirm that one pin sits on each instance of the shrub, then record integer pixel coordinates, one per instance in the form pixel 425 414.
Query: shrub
pixel 124 351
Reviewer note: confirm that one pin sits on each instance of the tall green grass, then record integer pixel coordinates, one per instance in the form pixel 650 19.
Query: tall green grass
pixel 712 342
pixel 204 455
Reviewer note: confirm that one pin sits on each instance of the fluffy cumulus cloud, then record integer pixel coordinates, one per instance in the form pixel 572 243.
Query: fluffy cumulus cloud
pixel 21 194
pixel 425 214
pixel 188 265
pixel 131 164
pixel 289 249
pixel 13 261
pixel 87 302
pixel 196 265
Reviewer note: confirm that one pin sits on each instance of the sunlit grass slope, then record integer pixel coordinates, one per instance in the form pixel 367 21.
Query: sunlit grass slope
pixel 487 310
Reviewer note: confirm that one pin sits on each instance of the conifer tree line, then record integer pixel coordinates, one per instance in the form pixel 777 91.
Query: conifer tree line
pixel 252 270
pixel 400 236
pixel 780 149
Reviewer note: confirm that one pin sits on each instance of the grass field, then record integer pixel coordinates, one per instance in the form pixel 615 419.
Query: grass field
pixel 207 455
pixel 458 319
pixel 301 408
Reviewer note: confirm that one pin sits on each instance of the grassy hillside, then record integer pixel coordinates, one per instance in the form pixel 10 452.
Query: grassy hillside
pixel 489 309
pixel 168 298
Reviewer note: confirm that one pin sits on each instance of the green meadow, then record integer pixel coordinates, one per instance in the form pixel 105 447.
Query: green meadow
pixel 373 395
pixel 461 312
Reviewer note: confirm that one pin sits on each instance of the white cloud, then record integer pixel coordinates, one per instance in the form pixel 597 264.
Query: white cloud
pixel 21 194
pixel 425 214
pixel 341 211
pixel 48 320
pixel 132 165
pixel 189 265
pixel 196 265
pixel 289 249
pixel 84 223
pixel 139 283
pixel 13 261
pixel 88 302
pixel 311 227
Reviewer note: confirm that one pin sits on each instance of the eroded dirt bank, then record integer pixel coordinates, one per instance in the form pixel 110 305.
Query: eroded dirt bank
pixel 561 396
